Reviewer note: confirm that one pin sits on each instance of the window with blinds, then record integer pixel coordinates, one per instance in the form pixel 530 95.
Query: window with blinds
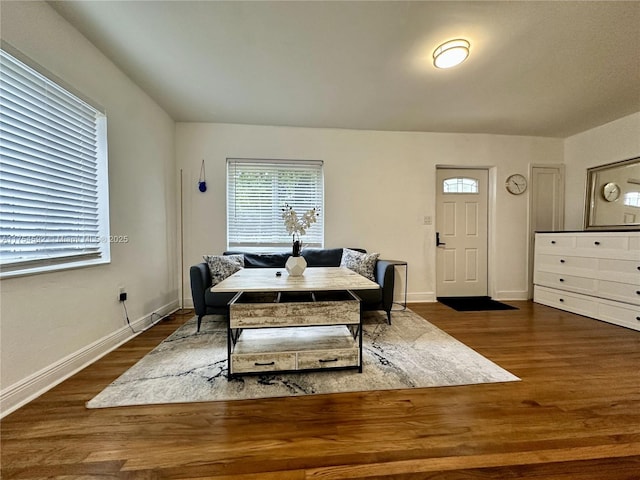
pixel 257 191
pixel 53 175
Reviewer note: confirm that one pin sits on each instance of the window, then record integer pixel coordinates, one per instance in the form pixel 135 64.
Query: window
pixel 256 193
pixel 460 185
pixel 632 199
pixel 53 182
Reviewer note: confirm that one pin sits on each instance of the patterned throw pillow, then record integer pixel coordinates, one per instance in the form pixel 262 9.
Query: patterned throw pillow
pixel 362 263
pixel 223 266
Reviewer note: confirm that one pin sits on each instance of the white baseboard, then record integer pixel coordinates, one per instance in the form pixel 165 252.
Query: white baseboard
pixel 22 392
pixel 420 297
pixel 507 295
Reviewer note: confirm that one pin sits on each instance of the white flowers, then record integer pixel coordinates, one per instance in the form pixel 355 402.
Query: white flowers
pixel 296 225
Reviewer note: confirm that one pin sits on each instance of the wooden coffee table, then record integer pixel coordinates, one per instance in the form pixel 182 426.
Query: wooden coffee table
pixel 280 323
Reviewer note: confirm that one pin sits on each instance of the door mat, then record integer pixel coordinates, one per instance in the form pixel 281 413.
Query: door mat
pixel 474 304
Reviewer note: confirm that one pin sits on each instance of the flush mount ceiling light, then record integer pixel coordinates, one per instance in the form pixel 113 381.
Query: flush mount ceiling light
pixel 451 53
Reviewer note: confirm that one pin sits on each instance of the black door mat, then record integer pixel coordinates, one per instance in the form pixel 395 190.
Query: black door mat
pixel 474 304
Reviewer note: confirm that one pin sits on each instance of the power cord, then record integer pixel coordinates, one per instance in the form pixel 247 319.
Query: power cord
pixel 152 324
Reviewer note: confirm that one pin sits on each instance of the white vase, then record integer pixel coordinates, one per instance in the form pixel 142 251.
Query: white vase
pixel 295 266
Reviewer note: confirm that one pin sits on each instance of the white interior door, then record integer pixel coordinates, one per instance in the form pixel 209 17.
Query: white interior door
pixel 546 205
pixel 461 225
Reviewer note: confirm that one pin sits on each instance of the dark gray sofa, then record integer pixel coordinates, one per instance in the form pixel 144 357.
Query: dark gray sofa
pixel 206 302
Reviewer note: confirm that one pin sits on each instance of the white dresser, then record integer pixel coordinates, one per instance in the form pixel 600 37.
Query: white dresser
pixel 596 274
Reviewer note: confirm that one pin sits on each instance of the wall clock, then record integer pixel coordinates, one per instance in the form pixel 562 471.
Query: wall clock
pixel 611 191
pixel 516 184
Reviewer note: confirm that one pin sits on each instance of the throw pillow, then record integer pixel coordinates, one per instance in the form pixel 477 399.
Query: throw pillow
pixel 223 266
pixel 362 263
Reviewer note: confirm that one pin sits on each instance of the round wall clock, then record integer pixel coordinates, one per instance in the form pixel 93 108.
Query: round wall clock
pixel 516 184
pixel 611 191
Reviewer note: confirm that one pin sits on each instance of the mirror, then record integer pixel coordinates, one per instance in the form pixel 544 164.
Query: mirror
pixel 613 196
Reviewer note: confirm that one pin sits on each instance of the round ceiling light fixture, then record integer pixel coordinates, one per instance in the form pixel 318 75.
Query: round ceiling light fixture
pixel 451 53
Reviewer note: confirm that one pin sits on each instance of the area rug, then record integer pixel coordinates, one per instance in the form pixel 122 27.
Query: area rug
pixel 474 304
pixel 192 367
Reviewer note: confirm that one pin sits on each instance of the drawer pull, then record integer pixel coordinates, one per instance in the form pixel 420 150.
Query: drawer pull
pixel 638 318
pixel 562 260
pixel 553 242
pixel 596 243
pixel 638 267
pixel 264 364
pixel 562 299
pixel 322 360
pixel 637 292
pixel 562 279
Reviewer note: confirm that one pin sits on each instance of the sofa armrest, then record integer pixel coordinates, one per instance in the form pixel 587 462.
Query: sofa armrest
pixel 385 277
pixel 200 282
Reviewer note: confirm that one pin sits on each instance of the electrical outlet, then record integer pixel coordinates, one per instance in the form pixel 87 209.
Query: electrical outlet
pixel 428 220
pixel 122 294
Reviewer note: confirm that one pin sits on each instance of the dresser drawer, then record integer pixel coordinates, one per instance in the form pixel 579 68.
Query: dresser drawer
pixel 554 242
pixel 627 271
pixel 620 315
pixel 568 265
pixel 623 292
pixel 262 362
pixel 328 359
pixel 572 302
pixel 602 242
pixel 566 282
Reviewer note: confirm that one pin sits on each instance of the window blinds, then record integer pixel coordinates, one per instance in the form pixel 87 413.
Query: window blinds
pixel 49 180
pixel 257 190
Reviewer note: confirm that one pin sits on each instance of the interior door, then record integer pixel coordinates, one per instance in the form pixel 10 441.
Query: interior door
pixel 461 226
pixel 546 207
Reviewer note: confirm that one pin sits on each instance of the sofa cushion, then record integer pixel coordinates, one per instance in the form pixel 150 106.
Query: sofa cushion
pixel 223 266
pixel 322 257
pixel 362 263
pixel 264 260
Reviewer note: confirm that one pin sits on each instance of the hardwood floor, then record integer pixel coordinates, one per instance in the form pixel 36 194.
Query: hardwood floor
pixel 575 415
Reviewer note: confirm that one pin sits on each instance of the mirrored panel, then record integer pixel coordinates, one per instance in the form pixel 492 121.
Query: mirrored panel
pixel 613 196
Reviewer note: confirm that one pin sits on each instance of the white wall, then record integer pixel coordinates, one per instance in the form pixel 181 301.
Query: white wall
pixel 378 188
pixel 53 323
pixel 612 142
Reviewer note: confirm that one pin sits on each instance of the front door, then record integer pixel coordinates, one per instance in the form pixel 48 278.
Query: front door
pixel 461 226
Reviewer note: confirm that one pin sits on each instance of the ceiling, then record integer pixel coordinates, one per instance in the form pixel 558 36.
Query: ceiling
pixel 536 68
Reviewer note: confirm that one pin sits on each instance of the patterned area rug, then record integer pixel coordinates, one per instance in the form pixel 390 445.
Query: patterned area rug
pixel 192 367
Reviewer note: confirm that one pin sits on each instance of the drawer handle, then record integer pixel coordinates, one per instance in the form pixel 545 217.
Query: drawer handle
pixel 562 279
pixel 328 361
pixel 264 364
pixel 638 318
pixel 553 242
pixel 596 243
pixel 562 299
pixel 562 260
pixel 637 292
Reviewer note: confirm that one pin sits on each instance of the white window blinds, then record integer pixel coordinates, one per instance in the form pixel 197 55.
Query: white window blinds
pixel 53 198
pixel 257 190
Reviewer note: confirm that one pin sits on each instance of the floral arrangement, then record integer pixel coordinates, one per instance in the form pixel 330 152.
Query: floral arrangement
pixel 296 225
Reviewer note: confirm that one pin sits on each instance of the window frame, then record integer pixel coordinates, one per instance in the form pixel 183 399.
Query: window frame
pixel 96 242
pixel 273 226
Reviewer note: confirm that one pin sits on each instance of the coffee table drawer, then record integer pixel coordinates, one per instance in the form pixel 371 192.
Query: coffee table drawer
pixel 247 312
pixel 263 362
pixel 328 359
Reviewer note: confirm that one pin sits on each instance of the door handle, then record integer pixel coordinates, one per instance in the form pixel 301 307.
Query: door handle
pixel 438 242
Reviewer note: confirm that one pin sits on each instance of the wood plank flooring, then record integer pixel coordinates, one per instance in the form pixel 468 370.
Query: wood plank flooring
pixel 575 415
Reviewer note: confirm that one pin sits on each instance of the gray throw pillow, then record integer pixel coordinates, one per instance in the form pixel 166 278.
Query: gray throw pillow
pixel 223 266
pixel 362 263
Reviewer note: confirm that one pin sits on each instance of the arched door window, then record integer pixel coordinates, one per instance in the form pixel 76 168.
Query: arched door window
pixel 460 185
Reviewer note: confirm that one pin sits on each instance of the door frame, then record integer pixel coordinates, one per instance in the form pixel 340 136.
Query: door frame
pixel 491 220
pixel 531 215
